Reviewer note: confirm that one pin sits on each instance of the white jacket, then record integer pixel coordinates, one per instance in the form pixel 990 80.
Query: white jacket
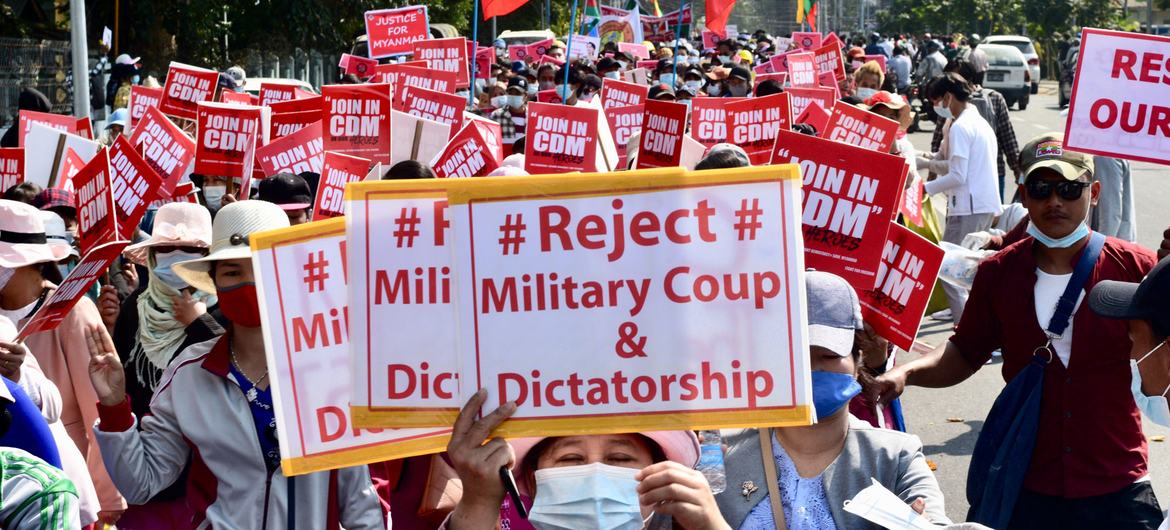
pixel 971 184
pixel 198 412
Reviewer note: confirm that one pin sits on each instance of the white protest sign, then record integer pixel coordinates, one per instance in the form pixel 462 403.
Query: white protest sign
pixel 45 149
pixel 301 282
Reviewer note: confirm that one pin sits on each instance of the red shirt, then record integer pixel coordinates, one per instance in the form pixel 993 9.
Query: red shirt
pixel 1090 439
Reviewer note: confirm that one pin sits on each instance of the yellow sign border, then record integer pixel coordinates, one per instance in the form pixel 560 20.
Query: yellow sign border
pixel 365 455
pixel 798 416
pixel 401 418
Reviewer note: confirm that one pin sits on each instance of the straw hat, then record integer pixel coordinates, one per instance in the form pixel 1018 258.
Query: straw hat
pixel 678 446
pixel 177 224
pixel 55 232
pixel 22 237
pixel 229 239
pixel 893 102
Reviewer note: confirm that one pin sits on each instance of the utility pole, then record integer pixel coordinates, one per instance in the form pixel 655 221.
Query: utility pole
pixel 80 58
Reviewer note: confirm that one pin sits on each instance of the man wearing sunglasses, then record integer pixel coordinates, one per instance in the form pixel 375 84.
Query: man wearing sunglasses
pixel 1089 465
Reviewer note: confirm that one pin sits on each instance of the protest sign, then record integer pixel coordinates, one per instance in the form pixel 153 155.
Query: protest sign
pixel 361 67
pixel 1118 106
pixel 474 151
pixel 830 59
pixel 484 58
pixel 238 98
pixel 832 38
pixel 133 185
pixel 167 149
pixel 276 92
pixel 637 50
pixel 616 93
pixel 517 52
pixel 402 288
pixel 624 122
pixel 780 78
pixel 393 32
pixel 802 69
pixel 850 195
pixel 638 76
pixel 184 192
pixel 709 119
pixel 815 116
pixel 762 69
pixel 142 98
pixel 445 55
pixel 711 39
pixel 71 164
pixel 663 125
pixel 186 87
pixel 578 325
pixel 337 171
pixel 538 49
pixel 58 305
pixel 549 96
pixel 59 122
pixel 905 281
pixel 585 48
pixel 547 59
pixel 307 345
pixel 402 78
pixel 227 136
pixel 96 221
pixel 802 97
pixel 415 138
pixel 286 123
pixel 692 153
pixel 807 40
pixel 44 148
pixel 297 104
pixel 779 61
pixel 753 123
pixel 880 59
pixel 356 120
pixel 11 167
pixel 827 80
pixel 436 106
pixel 912 197
pixel 854 126
pixel 562 139
pixel 650 65
pixel 301 151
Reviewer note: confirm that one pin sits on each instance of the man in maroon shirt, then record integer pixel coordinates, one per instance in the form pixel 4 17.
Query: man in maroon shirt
pixel 1089 465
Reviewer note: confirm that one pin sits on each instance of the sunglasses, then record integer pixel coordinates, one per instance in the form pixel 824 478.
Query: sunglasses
pixel 1069 190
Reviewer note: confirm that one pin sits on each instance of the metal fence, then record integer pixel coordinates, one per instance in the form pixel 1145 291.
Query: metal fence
pixel 41 64
pixel 311 66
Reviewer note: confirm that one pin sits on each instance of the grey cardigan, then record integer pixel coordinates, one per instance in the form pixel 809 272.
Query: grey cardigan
pixel 895 459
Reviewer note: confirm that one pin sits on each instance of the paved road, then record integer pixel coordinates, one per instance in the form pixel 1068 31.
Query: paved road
pixel 929 412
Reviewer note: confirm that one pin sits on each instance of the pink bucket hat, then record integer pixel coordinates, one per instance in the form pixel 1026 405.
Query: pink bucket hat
pixel 178 224
pixel 678 446
pixel 22 237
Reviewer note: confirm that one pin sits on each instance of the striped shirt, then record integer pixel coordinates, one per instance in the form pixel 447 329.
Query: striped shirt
pixel 35 495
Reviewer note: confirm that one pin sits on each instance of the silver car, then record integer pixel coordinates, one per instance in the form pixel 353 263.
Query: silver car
pixel 1024 44
pixel 1007 73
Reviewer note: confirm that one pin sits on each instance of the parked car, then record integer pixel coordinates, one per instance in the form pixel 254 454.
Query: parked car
pixel 1007 73
pixel 513 38
pixel 1024 44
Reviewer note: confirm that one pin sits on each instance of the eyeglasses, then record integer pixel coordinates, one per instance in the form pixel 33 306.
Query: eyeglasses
pixel 1069 190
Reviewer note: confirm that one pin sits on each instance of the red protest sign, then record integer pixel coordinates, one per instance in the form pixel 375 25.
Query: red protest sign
pixel 832 38
pixel 337 171
pixel 484 57
pixel 623 123
pixel 880 59
pixel 814 115
pixel 296 153
pixel 297 104
pixel 356 120
pixel 549 96
pixel 710 39
pixel 830 59
pixel 472 152
pixel 142 98
pixel 854 126
pixel 72 288
pixel 547 59
pixel 709 120
pixel 287 123
pixel 802 97
pixel 401 78
pixel 184 192
pixel 753 123
pixel 635 50
pixel 894 306
pixel 445 55
pixel 648 65
pixel 71 164
pixel 662 134
pixel 11 167
pixel 59 122
pixel 763 68
pixel 806 40
pixel 911 204
pixel 358 66
pixel 435 106
pixel 95 203
pixel 779 61
pixel 276 92
pixel 393 32
pixel 802 69
pixel 560 139
pixel 827 80
pixel 616 93
pixel 538 49
pixel 167 149
pixel 517 52
pixel 850 194
pixel 780 78
pixel 237 98
pixel 227 136
pixel 133 184
pixel 186 87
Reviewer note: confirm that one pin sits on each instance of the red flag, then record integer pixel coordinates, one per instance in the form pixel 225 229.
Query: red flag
pixel 495 8
pixel 717 13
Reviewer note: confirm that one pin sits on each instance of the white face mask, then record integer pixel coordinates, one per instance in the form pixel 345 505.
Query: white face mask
pixel 1154 407
pixel 499 101
pixel 713 89
pixel 516 102
pixel 214 196
pixel 667 79
pixel 865 93
pixel 532 90
pixel 163 271
pixel 613 75
pixel 694 85
pixel 590 497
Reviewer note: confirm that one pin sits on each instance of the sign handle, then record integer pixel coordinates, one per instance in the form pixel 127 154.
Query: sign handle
pixel 475 39
pixel 569 51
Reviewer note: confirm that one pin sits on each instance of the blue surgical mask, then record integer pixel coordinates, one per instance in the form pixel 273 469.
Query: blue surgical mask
pixel 694 85
pixel 1064 242
pixel 532 90
pixel 668 79
pixel 1154 407
pixel 943 112
pixel 499 101
pixel 134 80
pixel 865 93
pixel 613 75
pixel 832 391
pixel 164 272
pixel 594 496
pixel 516 101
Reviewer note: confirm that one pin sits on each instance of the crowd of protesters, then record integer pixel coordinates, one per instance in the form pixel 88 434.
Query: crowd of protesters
pixel 150 405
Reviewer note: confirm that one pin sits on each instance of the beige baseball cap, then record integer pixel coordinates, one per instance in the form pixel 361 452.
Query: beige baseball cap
pixel 1047 151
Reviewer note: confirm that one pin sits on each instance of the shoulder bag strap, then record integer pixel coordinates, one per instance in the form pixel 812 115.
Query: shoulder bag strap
pixel 1072 291
pixel 773 481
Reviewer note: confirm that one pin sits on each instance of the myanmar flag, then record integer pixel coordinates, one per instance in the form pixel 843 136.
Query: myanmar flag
pixel 591 19
pixel 807 9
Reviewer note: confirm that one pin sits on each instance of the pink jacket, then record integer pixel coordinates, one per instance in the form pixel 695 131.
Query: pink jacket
pixel 63 354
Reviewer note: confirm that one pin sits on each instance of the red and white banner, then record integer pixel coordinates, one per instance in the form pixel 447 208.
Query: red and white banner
pixel 709 119
pixel 854 126
pixel 133 184
pixel 753 123
pixel 186 87
pixel 96 221
pixel 301 151
pixel 623 123
pixel 663 126
pixel 11 167
pixel 616 93
pixel 807 40
pixel 850 196
pixel 337 171
pixel 356 120
pixel 436 106
pixel 142 98
pixel 361 67
pixel 226 139
pixel 92 266
pixel 393 32
pixel 830 59
pixel 166 148
pixel 59 122
pixel 1119 99
pixel 561 139
pixel 905 281
pixel 445 55
pixel 802 69
pixel 474 151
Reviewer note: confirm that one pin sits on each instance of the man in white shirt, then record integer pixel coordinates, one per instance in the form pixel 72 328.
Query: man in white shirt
pixel 970 183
